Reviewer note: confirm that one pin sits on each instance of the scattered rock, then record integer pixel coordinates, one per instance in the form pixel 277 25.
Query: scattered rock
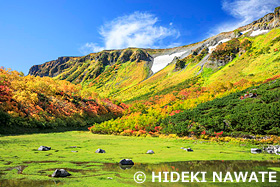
pixel 73 146
pixel 187 149
pixel 271 149
pixel 100 151
pixel 74 151
pixel 44 148
pixel 150 152
pixel 126 162
pixel 256 150
pixel 60 173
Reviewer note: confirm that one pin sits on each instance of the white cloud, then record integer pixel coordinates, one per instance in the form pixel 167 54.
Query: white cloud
pixel 245 12
pixel 134 30
pixel 89 48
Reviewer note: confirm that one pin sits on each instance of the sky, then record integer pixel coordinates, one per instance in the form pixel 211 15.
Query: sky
pixel 34 32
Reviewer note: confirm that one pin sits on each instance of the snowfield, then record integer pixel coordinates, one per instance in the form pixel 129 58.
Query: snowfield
pixel 244 32
pixel 258 32
pixel 212 48
pixel 162 61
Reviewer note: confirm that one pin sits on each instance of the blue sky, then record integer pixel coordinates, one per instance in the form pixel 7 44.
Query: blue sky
pixel 33 32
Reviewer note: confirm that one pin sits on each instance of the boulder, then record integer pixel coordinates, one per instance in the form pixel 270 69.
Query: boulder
pixel 126 162
pixel 44 148
pixel 256 150
pixel 272 149
pixel 150 152
pixel 60 173
pixel 188 149
pixel 100 151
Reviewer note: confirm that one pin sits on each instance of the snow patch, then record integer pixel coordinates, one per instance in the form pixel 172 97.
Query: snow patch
pixel 212 48
pixel 258 32
pixel 244 32
pixel 162 61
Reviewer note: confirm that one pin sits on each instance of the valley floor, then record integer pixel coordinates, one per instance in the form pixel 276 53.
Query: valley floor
pixel 21 164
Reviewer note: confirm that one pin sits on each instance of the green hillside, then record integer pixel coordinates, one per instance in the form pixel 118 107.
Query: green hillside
pixel 185 78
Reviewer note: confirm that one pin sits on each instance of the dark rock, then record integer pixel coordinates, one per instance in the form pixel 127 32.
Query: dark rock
pixel 60 173
pixel 139 55
pixel 189 150
pixel 126 162
pixel 150 152
pixel 125 55
pixel 44 148
pixel 100 151
pixel 179 64
pixel 256 150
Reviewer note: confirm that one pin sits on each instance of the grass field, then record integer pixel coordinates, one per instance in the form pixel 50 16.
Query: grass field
pixel 92 169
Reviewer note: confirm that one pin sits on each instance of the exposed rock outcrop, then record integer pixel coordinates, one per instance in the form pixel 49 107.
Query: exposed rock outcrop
pixel 90 66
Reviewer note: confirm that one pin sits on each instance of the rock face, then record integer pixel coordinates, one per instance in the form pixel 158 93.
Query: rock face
pixel 100 151
pixel 51 68
pixel 44 148
pixel 90 65
pixel 150 152
pixel 126 162
pixel 60 173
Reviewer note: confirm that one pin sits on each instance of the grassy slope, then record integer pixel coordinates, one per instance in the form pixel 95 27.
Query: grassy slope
pixel 258 115
pixel 118 78
pixel 22 150
pixel 255 65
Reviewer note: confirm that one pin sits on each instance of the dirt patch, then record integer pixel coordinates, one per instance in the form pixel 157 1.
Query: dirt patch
pixel 30 162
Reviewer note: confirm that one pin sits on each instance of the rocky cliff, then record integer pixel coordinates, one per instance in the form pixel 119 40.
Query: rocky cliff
pixel 89 66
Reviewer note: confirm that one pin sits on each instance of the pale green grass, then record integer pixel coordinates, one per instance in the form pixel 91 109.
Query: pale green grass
pixel 22 150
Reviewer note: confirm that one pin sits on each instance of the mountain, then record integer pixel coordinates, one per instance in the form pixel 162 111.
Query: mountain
pixel 131 73
pixel 231 79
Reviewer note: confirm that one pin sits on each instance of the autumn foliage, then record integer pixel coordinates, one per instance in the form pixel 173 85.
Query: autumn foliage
pixel 44 102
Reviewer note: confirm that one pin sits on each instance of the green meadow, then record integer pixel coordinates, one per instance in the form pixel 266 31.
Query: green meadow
pixel 21 164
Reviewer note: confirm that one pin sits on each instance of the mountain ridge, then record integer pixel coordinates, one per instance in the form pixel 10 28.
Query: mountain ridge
pixel 113 73
pixel 267 22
